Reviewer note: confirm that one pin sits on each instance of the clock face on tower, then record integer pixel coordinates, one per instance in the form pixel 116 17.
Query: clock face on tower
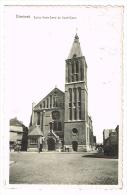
pixel 55 115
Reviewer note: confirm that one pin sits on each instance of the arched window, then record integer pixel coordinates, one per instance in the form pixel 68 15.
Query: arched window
pixel 55 115
pixel 54 101
pixel 69 72
pixel 70 97
pixel 77 67
pixel 70 104
pixel 77 71
pixel 75 96
pixel 68 68
pixel 44 104
pixel 72 68
pixel 73 72
pixel 82 72
pixel 38 118
pixel 47 102
pixel 70 113
pixel 79 94
pixel 50 101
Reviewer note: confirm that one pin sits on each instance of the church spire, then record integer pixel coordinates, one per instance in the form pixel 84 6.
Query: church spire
pixel 76 49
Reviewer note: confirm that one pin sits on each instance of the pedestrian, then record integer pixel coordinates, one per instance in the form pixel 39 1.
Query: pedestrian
pixel 40 144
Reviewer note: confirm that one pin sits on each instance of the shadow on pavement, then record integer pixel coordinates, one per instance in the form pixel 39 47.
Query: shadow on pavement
pixel 100 155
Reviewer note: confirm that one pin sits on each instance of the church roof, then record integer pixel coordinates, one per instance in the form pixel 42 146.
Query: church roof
pixel 76 49
pixel 35 130
pixel 55 90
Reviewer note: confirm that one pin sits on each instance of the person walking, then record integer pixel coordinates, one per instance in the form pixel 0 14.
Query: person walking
pixel 40 144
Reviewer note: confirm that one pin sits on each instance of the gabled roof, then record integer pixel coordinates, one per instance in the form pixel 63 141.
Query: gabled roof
pixel 34 130
pixel 76 49
pixel 15 122
pixel 55 90
pixel 52 133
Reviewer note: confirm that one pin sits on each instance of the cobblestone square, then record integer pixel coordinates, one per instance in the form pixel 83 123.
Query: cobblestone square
pixel 62 168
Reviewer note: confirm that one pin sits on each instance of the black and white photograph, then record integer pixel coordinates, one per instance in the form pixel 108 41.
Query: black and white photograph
pixel 63 92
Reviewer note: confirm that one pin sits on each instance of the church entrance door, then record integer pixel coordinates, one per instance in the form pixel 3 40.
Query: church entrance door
pixel 51 144
pixel 75 145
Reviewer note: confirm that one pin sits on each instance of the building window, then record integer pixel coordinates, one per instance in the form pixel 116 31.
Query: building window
pixel 38 118
pixel 50 101
pixel 47 102
pixel 70 95
pixel 44 104
pixel 59 126
pixel 69 72
pixel 54 101
pixel 55 115
pixel 77 67
pixel 55 126
pixel 73 72
pixel 74 56
pixel 33 141
pixel 77 71
pixel 70 113
pixel 75 114
pixel 75 131
pixel 79 102
pixel 87 134
pixel 79 94
pixel 70 104
pixel 74 104
pixel 73 68
pixel 75 95
pixel 79 113
pixel 76 75
pixel 72 77
pixel 82 72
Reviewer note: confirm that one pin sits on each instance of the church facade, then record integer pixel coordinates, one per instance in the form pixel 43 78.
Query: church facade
pixel 47 120
pixel 61 118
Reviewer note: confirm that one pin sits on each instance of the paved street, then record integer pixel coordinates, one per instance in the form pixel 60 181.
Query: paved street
pixel 62 168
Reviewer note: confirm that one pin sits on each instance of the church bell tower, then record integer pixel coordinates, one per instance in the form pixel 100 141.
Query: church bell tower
pixel 76 130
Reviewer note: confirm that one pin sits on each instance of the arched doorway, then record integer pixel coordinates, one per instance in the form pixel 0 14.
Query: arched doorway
pixel 75 145
pixel 51 144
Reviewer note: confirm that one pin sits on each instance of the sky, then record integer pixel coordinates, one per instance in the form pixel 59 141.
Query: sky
pixel 36 47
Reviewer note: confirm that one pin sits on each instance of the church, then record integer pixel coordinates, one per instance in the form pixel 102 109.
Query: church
pixel 61 118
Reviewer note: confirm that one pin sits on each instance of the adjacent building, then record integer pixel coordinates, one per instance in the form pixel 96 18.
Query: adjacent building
pixel 18 134
pixel 110 141
pixel 62 117
pixel 106 133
